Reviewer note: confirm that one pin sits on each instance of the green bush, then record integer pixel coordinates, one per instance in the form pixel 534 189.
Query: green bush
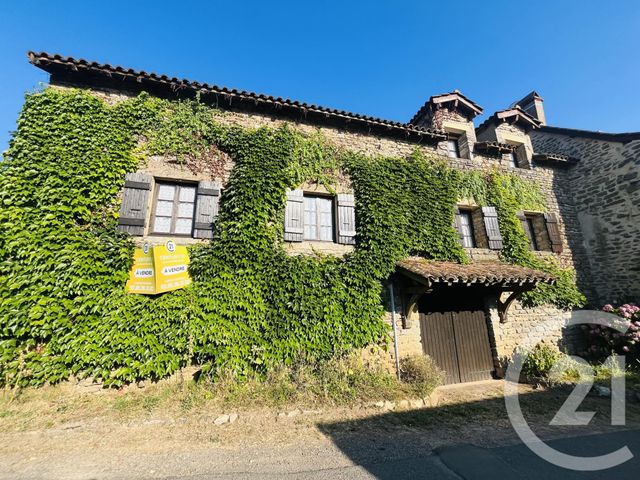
pixel 421 372
pixel 539 361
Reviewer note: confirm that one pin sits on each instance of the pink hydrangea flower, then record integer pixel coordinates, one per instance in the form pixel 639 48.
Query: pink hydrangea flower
pixel 607 308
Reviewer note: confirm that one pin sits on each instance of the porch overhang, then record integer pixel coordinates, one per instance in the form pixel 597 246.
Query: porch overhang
pixel 488 274
pixel 497 277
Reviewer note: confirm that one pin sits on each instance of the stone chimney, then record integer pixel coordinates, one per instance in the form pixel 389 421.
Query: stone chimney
pixel 533 105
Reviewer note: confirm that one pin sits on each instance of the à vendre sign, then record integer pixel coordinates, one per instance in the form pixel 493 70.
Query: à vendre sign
pixel 159 269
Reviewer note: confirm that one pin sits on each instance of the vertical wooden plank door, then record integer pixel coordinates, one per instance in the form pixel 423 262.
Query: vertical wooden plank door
pixel 457 338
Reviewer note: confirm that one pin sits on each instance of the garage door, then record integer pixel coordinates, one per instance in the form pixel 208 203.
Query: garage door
pixel 455 335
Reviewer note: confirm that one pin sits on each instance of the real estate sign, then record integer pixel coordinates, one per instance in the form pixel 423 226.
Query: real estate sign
pixel 159 269
pixel 172 267
pixel 142 278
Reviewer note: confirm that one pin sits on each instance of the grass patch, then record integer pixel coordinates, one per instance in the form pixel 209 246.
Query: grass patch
pixel 341 382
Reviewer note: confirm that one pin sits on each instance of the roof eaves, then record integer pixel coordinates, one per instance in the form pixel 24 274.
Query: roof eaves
pixel 76 67
pixel 447 97
pixel 605 136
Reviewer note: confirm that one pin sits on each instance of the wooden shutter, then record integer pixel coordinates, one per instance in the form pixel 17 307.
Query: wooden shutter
pixel 207 201
pixel 294 216
pixel 135 199
pixel 346 219
pixel 463 146
pixel 456 223
pixel 494 237
pixel 554 232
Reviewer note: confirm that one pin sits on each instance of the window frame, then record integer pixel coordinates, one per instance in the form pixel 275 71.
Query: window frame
pixel 455 140
pixel 468 214
pixel 178 184
pixel 318 225
pixel 515 154
pixel 530 232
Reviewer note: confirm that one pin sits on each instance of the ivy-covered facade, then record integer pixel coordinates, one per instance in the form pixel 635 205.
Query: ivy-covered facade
pixel 301 222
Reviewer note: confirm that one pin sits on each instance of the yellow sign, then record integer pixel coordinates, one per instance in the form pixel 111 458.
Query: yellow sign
pixel 159 269
pixel 142 277
pixel 172 267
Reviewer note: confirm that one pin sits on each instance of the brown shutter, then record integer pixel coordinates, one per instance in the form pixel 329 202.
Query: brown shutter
pixel 456 223
pixel 207 201
pixel 346 219
pixel 554 232
pixel 135 199
pixel 294 216
pixel 463 146
pixel 490 217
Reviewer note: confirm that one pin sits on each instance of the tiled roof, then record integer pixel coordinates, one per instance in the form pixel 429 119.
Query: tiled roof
pixel 85 72
pixel 516 114
pixel 555 158
pixel 605 136
pixel 493 148
pixel 448 97
pixel 481 273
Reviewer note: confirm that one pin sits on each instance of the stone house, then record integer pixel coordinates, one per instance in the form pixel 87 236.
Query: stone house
pixel 589 181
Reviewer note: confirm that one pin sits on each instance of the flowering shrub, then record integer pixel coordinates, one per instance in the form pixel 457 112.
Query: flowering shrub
pixel 604 341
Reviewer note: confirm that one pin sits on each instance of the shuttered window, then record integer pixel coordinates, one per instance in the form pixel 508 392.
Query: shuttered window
pixel 511 159
pixel 318 218
pixel 542 231
pixel 464 223
pixel 174 208
pixel 453 148
pixel 530 230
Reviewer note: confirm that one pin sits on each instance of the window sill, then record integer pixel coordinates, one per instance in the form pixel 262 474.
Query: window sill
pixel 308 247
pixel 178 240
pixel 482 254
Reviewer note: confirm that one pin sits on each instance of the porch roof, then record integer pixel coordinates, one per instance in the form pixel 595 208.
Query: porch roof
pixel 496 274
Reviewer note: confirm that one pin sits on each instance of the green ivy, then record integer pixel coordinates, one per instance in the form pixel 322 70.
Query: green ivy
pixel 63 263
pixel 510 194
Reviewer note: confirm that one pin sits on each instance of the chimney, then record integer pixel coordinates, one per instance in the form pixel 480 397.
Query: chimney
pixel 532 104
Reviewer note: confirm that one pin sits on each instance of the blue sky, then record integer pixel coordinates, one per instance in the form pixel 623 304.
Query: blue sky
pixel 378 58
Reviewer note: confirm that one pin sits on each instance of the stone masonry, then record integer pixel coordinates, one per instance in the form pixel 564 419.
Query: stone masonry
pixel 605 186
pixel 595 200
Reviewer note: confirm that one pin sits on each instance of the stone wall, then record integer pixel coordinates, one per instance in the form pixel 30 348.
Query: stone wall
pixel 605 186
pixel 554 184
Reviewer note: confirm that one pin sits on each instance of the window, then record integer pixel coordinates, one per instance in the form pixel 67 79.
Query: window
pixel 173 209
pixel 453 148
pixel 515 157
pixel 318 218
pixel 530 230
pixel 465 226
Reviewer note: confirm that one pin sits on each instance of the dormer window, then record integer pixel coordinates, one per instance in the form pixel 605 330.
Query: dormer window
pixel 453 148
pixel 514 157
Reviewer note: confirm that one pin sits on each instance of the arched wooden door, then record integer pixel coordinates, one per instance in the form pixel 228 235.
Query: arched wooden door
pixel 455 334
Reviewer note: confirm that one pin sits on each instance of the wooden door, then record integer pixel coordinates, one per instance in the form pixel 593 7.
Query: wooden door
pixel 439 343
pixel 472 345
pixel 455 335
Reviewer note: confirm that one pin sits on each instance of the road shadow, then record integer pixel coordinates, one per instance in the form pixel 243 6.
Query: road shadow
pixel 407 444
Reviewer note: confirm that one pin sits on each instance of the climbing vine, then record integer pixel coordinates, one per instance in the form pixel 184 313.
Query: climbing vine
pixel 63 263
pixel 510 194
